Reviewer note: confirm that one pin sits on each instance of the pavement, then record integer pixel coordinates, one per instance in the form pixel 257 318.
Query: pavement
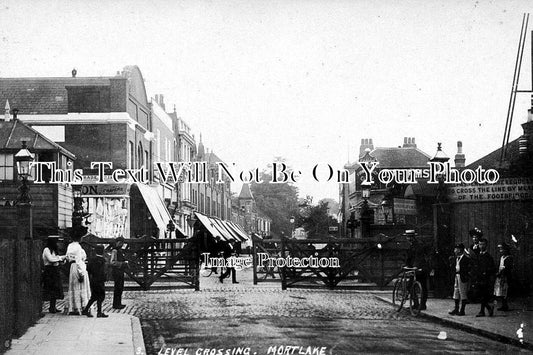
pixel 57 334
pixel 121 333
pixel 501 327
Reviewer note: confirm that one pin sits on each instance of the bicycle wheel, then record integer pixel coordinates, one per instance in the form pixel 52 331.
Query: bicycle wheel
pixel 398 296
pixel 414 300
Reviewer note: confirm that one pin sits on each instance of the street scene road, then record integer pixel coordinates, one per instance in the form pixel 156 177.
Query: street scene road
pixel 228 316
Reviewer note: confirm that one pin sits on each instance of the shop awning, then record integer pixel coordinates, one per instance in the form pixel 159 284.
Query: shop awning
pixel 221 226
pixel 226 230
pixel 208 224
pixel 157 209
pixel 238 229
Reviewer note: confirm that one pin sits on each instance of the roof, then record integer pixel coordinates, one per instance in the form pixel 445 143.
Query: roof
pixel 393 157
pixel 212 158
pixel 246 193
pixel 43 95
pixel 492 160
pixel 13 132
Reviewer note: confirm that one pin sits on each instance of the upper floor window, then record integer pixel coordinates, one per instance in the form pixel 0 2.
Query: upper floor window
pixel 7 167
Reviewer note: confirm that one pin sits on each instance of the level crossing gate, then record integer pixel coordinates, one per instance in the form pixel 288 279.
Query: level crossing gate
pixel 169 262
pixel 366 262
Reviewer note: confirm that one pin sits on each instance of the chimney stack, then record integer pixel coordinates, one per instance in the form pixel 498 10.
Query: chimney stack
pixel 459 157
pixel 366 143
pixel 409 142
pixel 162 102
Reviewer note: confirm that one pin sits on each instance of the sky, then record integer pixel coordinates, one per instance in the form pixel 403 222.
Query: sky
pixel 304 80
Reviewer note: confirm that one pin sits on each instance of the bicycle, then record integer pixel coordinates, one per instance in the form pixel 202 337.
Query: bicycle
pixel 407 288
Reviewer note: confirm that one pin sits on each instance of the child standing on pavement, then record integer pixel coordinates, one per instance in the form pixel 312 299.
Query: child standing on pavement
pixel 461 266
pixel 96 270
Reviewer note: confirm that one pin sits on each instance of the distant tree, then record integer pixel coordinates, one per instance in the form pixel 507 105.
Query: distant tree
pixel 316 220
pixel 277 201
pixel 333 206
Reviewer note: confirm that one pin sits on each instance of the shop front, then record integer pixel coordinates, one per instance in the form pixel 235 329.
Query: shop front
pixel 126 210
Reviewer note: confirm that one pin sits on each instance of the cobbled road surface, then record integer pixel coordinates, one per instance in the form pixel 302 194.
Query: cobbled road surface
pixel 246 319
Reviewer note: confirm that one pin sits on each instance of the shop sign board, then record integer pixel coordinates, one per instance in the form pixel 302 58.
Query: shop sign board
pixel 507 189
pixel 406 207
pixel 105 189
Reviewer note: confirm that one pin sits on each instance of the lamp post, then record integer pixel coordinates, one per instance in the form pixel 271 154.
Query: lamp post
pixel 170 228
pixel 24 159
pixel 365 210
pixel 440 157
pixel 291 220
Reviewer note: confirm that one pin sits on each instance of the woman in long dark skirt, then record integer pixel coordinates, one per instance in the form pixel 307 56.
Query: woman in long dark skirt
pixel 52 286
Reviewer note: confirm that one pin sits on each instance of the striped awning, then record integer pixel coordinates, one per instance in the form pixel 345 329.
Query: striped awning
pixel 226 230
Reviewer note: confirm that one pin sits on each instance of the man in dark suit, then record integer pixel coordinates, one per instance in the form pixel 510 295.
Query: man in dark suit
pixel 119 264
pixel 228 251
pixel 461 267
pixel 474 249
pixel 417 256
pixel 484 278
pixel 96 271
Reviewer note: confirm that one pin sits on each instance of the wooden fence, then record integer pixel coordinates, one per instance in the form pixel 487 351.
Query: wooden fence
pixel 20 291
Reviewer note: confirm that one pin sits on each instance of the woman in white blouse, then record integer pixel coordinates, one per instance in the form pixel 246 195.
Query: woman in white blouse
pixel 52 285
pixel 79 291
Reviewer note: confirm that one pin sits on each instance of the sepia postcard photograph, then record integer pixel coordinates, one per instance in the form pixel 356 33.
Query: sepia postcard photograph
pixel 266 177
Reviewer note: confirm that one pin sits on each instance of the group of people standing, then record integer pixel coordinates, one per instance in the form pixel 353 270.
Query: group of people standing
pixel 478 277
pixel 86 277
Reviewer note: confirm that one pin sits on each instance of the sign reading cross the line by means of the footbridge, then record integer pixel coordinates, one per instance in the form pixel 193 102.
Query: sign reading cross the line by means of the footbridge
pixel 507 189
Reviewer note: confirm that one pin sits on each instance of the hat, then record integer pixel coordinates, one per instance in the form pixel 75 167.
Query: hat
pixel 504 246
pixel 99 249
pixel 476 231
pixel 119 239
pixel 410 233
pixel 460 246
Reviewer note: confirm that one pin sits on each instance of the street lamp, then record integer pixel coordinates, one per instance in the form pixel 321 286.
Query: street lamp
pixel 440 157
pixel 291 220
pixel 365 211
pixel 24 158
pixel 171 227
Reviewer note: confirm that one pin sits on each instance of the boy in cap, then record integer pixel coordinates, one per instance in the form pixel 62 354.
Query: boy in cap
pixel 96 271
pixel 461 266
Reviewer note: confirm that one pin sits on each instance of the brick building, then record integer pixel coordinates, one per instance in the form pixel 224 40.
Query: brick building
pixel 388 203
pixel 106 119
